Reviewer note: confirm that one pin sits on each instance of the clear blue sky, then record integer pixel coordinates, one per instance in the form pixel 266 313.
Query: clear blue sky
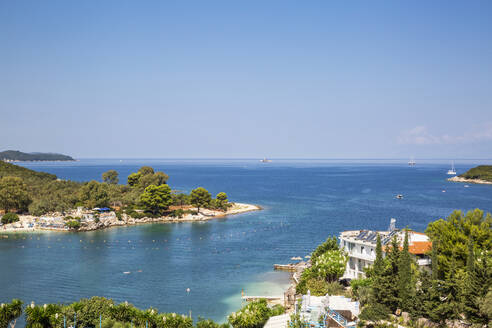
pixel 309 79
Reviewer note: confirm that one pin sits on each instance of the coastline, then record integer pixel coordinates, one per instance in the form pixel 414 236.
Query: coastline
pixel 476 181
pixel 26 222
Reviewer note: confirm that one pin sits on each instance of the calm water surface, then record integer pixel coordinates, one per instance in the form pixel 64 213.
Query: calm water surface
pixel 304 202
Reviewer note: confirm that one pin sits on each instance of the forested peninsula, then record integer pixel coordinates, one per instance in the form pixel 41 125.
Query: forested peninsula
pixel 481 174
pixel 18 156
pixel 31 200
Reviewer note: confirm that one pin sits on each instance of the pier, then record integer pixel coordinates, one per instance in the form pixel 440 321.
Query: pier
pixel 255 298
pixel 285 267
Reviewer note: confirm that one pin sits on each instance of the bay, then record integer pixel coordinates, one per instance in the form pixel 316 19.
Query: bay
pixel 304 202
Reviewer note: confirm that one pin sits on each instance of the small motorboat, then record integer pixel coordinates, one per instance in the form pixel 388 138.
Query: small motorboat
pixel 399 196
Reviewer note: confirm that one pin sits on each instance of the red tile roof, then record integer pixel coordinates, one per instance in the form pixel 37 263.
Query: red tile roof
pixel 420 247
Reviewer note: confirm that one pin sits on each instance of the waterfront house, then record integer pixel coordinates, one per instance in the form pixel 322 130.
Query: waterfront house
pixel 360 245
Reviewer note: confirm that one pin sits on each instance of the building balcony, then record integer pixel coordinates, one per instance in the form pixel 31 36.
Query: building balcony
pixel 362 256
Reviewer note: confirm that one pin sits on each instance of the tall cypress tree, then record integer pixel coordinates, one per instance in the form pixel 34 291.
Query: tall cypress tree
pixel 477 280
pixel 378 273
pixel 434 261
pixel 406 286
pixel 391 275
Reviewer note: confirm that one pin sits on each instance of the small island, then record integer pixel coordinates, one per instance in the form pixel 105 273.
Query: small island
pixel 31 200
pixel 18 156
pixel 481 174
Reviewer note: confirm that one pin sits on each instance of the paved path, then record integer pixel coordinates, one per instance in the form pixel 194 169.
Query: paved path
pixel 278 321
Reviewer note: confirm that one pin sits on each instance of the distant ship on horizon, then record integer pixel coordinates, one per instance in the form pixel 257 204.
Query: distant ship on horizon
pixel 452 171
pixel 265 160
pixel 412 162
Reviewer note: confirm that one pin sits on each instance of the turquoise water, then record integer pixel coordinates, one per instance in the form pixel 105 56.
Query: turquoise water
pixel 304 202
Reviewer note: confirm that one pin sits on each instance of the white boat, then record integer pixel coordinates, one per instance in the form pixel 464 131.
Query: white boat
pixel 399 196
pixel 452 171
pixel 412 162
pixel 265 160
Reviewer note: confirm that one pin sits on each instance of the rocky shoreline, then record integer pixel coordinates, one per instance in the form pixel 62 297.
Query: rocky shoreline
pixel 461 179
pixel 31 223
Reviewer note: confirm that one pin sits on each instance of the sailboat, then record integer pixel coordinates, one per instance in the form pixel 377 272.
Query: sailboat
pixel 411 162
pixel 452 171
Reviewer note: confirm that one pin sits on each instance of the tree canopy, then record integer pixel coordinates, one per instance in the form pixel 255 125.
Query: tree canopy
pixel 156 198
pixel 459 284
pixel 13 194
pixel 200 197
pixel 40 193
pixel 10 312
pixel 110 177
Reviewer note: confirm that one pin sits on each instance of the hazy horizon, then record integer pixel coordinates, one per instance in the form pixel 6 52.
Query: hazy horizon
pixel 225 79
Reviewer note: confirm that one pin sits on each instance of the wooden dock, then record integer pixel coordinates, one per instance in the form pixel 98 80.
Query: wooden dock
pixel 255 298
pixel 285 267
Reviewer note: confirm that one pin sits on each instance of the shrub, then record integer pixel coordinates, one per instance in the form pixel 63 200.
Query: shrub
pixel 330 244
pixel 202 323
pixel 10 218
pixel 179 213
pixel 73 224
pixel 375 312
pixel 253 315
pixel 361 289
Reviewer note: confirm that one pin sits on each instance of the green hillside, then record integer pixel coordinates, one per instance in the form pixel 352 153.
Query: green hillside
pixel 482 172
pixel 11 170
pixel 15 155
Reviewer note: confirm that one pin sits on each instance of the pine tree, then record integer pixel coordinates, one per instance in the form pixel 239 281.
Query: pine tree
pixel 406 286
pixel 377 273
pixel 475 286
pixel 391 275
pixel 434 261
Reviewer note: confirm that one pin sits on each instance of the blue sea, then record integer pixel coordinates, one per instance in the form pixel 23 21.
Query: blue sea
pixel 304 202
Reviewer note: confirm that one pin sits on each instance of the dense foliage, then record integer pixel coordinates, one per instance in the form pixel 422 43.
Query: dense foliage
pixel 10 218
pixel 156 198
pixel 13 194
pixel 89 313
pixel 482 172
pixel 459 284
pixel 25 190
pixel 200 197
pixel 99 310
pixel 328 265
pixel 254 314
pixel 10 312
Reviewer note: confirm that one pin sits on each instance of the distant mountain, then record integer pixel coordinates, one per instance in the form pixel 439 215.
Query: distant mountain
pixel 15 155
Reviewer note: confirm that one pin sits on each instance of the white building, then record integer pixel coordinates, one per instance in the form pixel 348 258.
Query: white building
pixel 360 245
